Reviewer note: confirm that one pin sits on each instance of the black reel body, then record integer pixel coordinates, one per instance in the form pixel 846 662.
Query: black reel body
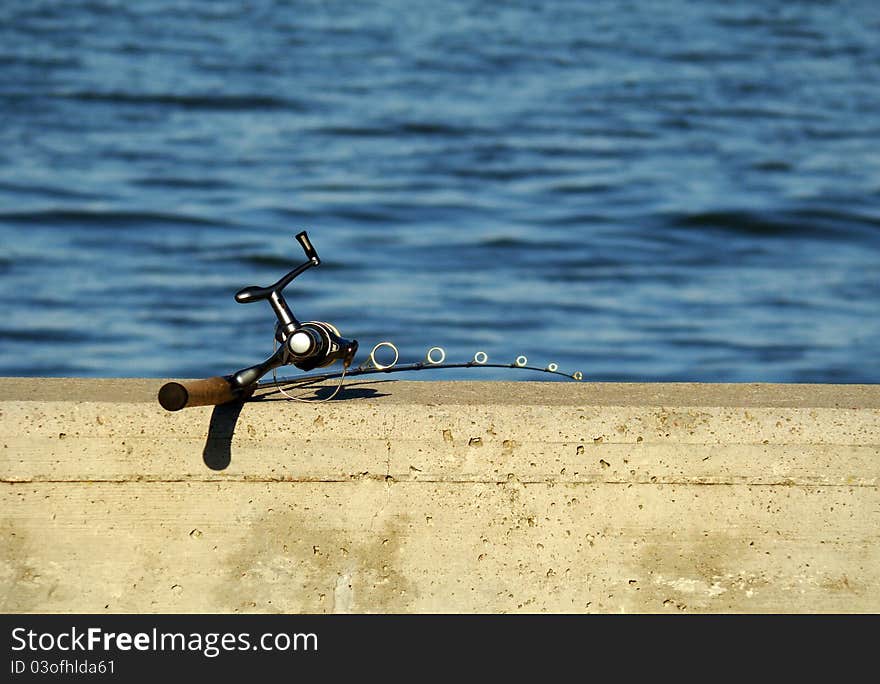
pixel 309 345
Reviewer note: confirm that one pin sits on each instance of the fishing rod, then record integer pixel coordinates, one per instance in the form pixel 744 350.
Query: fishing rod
pixel 308 346
pixel 434 360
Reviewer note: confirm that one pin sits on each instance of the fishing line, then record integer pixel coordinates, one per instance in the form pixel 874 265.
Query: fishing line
pixel 277 384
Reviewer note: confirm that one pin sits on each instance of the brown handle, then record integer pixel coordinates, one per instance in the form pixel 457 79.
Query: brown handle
pixel 177 395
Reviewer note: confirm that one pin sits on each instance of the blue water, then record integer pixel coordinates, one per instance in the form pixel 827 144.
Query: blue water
pixel 639 190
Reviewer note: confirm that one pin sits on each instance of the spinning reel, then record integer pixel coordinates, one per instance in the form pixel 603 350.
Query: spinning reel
pixel 309 345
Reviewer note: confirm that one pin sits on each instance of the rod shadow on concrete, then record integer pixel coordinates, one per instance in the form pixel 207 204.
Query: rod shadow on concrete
pixel 217 453
pixel 321 393
pixel 218 447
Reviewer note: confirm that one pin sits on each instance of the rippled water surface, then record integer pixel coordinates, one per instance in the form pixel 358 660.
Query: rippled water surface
pixel 640 190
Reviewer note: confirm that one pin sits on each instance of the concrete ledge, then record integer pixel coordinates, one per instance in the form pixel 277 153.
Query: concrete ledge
pixel 442 496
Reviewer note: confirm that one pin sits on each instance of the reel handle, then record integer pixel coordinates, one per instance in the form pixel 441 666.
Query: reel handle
pixel 306 244
pixel 272 293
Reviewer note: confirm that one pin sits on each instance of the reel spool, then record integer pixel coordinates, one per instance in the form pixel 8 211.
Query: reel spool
pixel 315 344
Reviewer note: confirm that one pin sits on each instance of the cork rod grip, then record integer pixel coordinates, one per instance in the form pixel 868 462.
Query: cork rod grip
pixel 174 396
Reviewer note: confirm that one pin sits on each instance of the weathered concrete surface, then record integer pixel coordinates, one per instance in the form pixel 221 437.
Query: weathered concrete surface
pixel 449 497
